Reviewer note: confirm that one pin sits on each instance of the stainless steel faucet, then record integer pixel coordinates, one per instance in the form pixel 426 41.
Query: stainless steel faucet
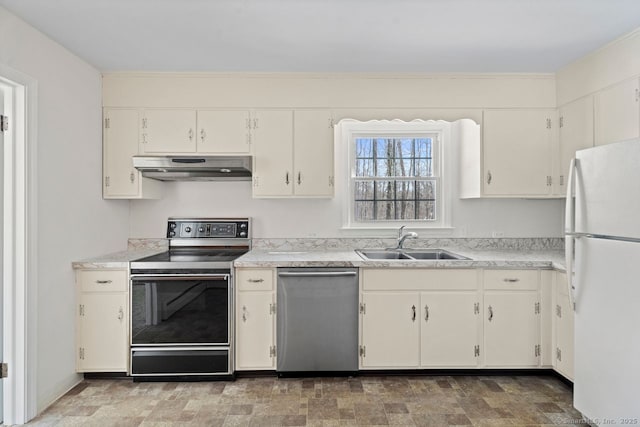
pixel 404 236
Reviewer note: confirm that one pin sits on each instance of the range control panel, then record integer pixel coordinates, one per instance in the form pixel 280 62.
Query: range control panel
pixel 208 228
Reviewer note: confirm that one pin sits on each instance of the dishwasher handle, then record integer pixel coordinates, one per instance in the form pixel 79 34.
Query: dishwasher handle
pixel 317 273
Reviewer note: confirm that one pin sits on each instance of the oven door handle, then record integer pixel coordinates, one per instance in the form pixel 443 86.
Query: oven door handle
pixel 159 277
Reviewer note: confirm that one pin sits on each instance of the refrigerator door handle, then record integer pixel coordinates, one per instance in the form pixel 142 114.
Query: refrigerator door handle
pixel 569 228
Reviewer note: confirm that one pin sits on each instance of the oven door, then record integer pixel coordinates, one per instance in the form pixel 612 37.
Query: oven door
pixel 180 310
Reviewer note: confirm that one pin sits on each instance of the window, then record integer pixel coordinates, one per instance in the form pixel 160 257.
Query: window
pixel 395 173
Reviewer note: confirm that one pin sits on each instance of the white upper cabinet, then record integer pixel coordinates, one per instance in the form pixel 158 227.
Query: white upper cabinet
pixel 516 152
pixel 617 116
pixel 168 131
pixel 120 142
pixel 576 133
pixel 293 153
pixel 223 132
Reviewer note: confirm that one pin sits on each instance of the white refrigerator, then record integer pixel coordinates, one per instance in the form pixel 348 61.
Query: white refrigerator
pixel 602 244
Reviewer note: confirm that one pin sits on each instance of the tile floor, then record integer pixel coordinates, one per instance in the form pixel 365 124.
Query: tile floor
pixel 363 400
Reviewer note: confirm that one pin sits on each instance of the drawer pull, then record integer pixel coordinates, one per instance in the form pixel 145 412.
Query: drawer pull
pixel 255 280
pixel 104 282
pixel 426 313
pixel 490 313
pixel 413 313
pixel 510 280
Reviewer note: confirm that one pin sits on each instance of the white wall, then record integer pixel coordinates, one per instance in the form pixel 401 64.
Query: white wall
pixel 73 220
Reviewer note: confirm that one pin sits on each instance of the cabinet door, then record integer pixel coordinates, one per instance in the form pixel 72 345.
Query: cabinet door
pixel 254 330
pixel 517 152
pixel 121 130
pixel 313 153
pixel 564 328
pixel 617 113
pixel 511 331
pixel 576 133
pixel 223 132
pixel 273 154
pixel 168 131
pixel 103 344
pixel 390 330
pixel 449 331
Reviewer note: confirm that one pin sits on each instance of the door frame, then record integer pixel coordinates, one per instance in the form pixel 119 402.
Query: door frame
pixel 19 281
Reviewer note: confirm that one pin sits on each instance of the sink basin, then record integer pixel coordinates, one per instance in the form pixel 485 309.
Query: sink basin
pixel 382 254
pixel 408 254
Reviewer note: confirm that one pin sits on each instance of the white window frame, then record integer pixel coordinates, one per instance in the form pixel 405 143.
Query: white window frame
pixel 352 129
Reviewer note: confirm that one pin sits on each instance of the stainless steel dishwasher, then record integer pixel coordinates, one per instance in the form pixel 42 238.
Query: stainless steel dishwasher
pixel 317 320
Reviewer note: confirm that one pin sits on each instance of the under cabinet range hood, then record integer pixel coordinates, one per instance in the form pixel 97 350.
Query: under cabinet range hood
pixel 194 168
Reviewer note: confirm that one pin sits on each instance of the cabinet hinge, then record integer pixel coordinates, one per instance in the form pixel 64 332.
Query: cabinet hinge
pixel 81 310
pixel 81 353
pixel 144 123
pixel 255 181
pixel 330 181
pixel 558 310
pixel 363 351
pixel 548 123
pixel 637 95
pixel 248 138
pixel 536 308
pixel 248 123
pixel 549 180
pixel 476 351
pixel 561 120
pixel 476 308
pixel 4 123
pixel 107 123
pixel 107 181
pixel 561 179
pixel 255 123
pixel 272 308
pixel 363 308
pixel 331 124
pixel 559 354
pixel 4 370
pixel 272 351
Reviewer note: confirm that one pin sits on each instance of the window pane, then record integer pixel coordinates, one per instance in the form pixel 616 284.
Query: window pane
pixel 364 167
pixel 385 167
pixel 405 190
pixel 426 210
pixel 385 210
pixel 364 190
pixel 364 147
pixel 423 147
pixel 404 167
pixel 405 148
pixel 384 190
pixel 364 211
pixel 384 147
pixel 406 209
pixel 424 167
pixel 426 190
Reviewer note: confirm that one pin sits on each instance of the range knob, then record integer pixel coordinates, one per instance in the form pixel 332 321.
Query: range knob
pixel 243 234
pixel 172 234
pixel 187 229
pixel 201 229
pixel 243 226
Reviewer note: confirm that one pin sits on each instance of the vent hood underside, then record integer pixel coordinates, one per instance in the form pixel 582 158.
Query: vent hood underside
pixel 194 168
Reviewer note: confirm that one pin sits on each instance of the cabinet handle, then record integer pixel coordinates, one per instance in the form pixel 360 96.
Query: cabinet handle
pixel 103 282
pixel 413 313
pixel 190 134
pixel 286 178
pixel 299 178
pixel 255 280
pixel 426 313
pixel 144 138
pixel 244 313
pixel 203 135
pixel 121 314
pixel 489 177
pixel 508 280
pixel 490 313
pixel 132 177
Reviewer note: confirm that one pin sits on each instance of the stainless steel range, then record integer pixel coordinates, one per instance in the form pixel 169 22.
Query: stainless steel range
pixel 182 300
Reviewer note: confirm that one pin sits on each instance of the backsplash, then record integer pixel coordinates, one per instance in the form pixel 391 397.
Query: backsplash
pixel 551 243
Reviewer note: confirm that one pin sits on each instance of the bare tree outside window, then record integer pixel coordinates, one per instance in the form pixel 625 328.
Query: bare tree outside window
pixel 394 178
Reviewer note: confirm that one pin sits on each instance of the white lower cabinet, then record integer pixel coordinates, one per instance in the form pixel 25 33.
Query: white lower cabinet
pixel 449 334
pixel 255 319
pixel 102 328
pixel 390 330
pixel 563 325
pixel 419 318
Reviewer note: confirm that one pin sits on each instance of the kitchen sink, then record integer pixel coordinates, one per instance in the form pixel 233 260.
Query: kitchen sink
pixel 408 254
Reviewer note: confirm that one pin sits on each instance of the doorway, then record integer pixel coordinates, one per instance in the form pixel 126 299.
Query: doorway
pixel 17 251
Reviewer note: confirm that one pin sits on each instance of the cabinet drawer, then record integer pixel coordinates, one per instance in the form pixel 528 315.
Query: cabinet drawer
pixel 254 279
pixel 511 279
pixel 393 279
pixel 102 280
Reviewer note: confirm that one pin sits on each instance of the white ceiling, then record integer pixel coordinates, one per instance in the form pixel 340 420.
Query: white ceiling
pixel 429 36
